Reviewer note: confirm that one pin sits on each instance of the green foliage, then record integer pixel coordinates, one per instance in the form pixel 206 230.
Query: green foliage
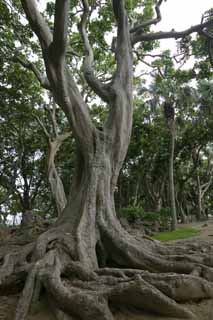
pixel 145 168
pixel 182 233
pixel 132 213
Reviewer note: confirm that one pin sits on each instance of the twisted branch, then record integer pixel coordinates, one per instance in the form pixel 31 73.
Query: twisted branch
pixel 151 21
pixel 139 36
pixel 99 88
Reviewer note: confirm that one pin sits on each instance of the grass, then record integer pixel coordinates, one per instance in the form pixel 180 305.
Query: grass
pixel 182 233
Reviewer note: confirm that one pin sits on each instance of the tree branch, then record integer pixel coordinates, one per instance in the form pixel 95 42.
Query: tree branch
pixel 60 27
pixel 43 128
pixel 65 90
pixel 52 113
pixel 123 49
pixel 30 66
pixel 151 21
pixel 53 117
pixel 205 187
pixel 139 36
pixel 37 23
pixel 99 88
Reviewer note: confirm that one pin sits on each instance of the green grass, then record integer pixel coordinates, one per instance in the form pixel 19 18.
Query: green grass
pixel 182 233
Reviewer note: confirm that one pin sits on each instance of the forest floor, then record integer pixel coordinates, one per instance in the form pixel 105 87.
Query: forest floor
pixel 203 309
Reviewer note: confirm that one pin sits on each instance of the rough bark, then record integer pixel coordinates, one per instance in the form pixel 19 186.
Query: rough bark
pixel 87 262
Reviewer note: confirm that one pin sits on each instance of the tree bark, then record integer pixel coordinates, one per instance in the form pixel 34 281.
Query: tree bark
pixel 54 143
pixel 87 262
pixel 56 184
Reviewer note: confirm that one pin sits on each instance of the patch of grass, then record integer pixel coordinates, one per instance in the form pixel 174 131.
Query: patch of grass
pixel 182 233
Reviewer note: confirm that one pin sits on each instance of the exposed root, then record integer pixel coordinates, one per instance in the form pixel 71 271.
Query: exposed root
pixel 127 251
pixel 154 281
pixel 12 262
pixel 177 287
pixel 27 294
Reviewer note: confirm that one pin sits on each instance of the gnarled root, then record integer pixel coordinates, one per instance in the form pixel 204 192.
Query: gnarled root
pixel 90 299
pixel 126 251
pixel 146 278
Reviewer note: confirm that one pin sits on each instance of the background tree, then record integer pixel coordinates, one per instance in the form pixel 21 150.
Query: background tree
pixel 55 141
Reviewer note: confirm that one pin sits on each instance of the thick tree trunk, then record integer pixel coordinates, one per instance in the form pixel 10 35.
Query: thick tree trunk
pixel 87 262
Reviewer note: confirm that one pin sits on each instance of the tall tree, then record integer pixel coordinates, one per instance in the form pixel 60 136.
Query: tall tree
pixel 88 245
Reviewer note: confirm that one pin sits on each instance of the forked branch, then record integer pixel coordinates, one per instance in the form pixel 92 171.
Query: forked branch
pixel 99 88
pixel 151 21
pixel 139 36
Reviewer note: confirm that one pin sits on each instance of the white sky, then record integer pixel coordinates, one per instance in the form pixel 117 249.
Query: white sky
pixel 180 15
pixel 177 14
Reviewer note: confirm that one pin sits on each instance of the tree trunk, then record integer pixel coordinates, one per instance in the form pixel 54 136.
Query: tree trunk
pixel 103 262
pixel 54 144
pixel 158 205
pixel 182 213
pixel 56 184
pixel 87 263
pixel 136 193
pixel 199 212
pixel 28 218
pixel 171 177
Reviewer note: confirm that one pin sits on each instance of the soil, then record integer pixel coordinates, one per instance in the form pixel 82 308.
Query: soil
pixel 205 227
pixel 202 309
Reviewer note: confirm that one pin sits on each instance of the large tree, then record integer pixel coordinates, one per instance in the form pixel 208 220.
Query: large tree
pixel 87 262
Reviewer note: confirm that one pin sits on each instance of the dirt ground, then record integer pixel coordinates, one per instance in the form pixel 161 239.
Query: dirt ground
pixel 205 227
pixel 203 309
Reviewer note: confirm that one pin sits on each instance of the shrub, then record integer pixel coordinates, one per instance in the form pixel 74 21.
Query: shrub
pixel 131 213
pixel 150 218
